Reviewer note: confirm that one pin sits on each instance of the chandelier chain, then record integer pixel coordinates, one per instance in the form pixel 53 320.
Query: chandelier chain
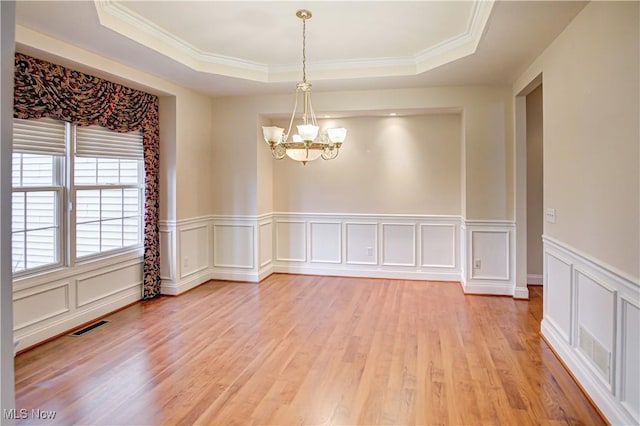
pixel 304 50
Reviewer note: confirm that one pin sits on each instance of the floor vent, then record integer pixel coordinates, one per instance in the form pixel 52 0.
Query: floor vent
pixel 596 352
pixel 89 328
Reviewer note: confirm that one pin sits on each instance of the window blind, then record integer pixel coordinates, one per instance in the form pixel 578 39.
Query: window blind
pixel 97 141
pixel 42 136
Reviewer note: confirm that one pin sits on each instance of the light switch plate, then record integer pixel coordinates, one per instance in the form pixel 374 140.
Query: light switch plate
pixel 550 215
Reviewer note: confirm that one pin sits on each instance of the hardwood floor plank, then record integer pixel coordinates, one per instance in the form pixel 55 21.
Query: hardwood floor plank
pixel 308 350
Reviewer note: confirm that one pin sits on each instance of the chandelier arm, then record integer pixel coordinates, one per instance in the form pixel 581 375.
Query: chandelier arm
pixel 278 151
pixel 293 115
pixel 313 114
pixel 329 153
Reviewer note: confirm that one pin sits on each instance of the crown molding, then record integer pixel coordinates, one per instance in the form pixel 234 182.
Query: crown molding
pixel 119 18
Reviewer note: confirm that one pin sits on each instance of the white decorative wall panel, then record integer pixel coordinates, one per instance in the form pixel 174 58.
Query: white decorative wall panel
pixel 362 243
pixel 325 242
pixel 49 304
pixel 266 244
pixel 438 246
pixel 557 294
pixel 233 246
pixel 488 253
pixel 382 246
pixel 630 364
pixel 491 249
pixel 40 304
pixel 398 244
pixel 94 287
pixel 167 255
pixel 595 308
pixel 194 250
pixel 591 319
pixel 291 241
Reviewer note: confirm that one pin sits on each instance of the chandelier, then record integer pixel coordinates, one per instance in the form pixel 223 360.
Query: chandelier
pixel 309 143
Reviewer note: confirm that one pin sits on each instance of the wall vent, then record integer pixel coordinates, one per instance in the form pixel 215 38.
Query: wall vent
pixel 88 328
pixel 596 352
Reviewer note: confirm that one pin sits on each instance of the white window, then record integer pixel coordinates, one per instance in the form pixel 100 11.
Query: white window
pixel 94 207
pixel 107 190
pixel 38 190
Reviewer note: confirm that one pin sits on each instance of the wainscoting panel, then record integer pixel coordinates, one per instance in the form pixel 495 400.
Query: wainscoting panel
pixel 490 255
pixel 380 246
pixel 291 241
pixel 194 249
pixel 233 246
pixel 266 243
pixel 490 259
pixel 95 287
pixel 438 246
pixel 54 303
pixel 325 242
pixel 361 243
pixel 250 248
pixel 595 328
pixel 398 244
pixel 40 304
pixel 591 319
pixel 558 306
pixel 167 254
pixel 630 358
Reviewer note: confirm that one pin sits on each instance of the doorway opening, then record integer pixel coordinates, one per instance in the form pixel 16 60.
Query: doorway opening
pixel 529 196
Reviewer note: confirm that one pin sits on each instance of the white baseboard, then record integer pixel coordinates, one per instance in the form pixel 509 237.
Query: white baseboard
pixel 367 273
pixel 521 293
pixel 535 279
pixel 194 280
pixel 250 277
pixel 496 288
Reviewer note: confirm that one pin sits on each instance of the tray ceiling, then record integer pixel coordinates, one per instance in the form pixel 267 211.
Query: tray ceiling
pixel 241 47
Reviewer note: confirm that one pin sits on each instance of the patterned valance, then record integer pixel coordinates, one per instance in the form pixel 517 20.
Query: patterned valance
pixel 43 89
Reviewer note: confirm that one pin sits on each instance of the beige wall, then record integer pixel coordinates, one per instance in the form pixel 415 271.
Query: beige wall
pixel 534 182
pixel 264 172
pixel 167 113
pixel 488 145
pixel 591 131
pixel 194 153
pixel 397 165
pixel 488 152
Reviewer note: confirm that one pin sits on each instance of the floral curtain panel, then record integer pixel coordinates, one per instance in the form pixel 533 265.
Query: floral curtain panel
pixel 43 89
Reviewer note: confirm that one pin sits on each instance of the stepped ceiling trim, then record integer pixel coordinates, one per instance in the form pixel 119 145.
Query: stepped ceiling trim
pixel 118 17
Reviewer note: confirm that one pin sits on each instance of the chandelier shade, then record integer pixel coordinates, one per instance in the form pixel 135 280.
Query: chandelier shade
pixel 310 143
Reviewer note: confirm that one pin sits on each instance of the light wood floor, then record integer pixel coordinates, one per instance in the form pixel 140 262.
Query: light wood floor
pixel 309 350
